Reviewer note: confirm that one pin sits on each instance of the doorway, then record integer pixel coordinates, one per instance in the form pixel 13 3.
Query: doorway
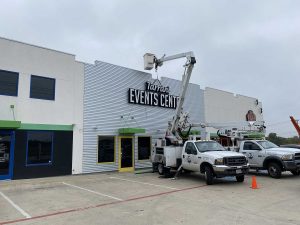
pixel 126 156
pixel 7 142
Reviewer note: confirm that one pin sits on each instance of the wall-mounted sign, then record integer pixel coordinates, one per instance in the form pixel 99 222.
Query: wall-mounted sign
pixel 153 95
pixel 250 116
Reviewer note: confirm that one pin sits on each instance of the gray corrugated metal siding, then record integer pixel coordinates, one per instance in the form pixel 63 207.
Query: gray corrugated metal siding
pixel 106 100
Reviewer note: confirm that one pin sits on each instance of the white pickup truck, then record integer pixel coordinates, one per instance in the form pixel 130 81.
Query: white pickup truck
pixel 264 154
pixel 207 157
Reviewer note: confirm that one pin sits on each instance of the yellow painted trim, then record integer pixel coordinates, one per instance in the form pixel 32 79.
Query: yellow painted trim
pixel 144 160
pixel 107 163
pixel 127 169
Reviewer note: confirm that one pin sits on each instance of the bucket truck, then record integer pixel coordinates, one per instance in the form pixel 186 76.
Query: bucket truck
pixel 261 154
pixel 171 152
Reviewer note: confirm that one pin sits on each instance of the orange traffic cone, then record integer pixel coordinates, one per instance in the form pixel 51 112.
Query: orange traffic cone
pixel 254 183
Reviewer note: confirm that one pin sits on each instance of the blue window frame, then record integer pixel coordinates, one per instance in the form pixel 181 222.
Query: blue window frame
pixel 39 149
pixel 9 82
pixel 42 87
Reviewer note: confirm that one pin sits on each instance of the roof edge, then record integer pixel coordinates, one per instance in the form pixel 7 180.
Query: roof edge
pixel 24 43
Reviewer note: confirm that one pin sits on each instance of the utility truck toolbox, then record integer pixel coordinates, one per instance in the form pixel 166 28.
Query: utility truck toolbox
pixel 173 156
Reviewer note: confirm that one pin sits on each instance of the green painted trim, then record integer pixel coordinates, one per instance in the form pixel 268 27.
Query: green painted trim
pixel 246 135
pixel 254 135
pixel 32 126
pixel 131 130
pixel 9 124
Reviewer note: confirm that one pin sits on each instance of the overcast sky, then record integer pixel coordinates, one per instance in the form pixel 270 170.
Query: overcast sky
pixel 246 47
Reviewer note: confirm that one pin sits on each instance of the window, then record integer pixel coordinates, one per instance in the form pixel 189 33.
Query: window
pixel 9 83
pixel 42 88
pixel 251 146
pixel 144 148
pixel 206 146
pixel 190 148
pixel 106 149
pixel 39 148
pixel 267 144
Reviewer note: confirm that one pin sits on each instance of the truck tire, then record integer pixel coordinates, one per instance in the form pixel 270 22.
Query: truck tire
pixel 240 178
pixel 167 172
pixel 274 170
pixel 209 175
pixel 295 172
pixel 160 169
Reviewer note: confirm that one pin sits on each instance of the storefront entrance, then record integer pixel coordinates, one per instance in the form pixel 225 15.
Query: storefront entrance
pixel 7 143
pixel 126 156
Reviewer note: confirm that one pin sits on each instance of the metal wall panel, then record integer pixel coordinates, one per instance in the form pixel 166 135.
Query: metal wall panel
pixel 106 109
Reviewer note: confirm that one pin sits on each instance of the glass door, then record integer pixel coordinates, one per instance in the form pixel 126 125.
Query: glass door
pixel 6 154
pixel 126 154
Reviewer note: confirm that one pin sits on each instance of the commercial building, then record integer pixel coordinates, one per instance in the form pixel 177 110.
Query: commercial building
pixel 125 112
pixel 59 116
pixel 41 116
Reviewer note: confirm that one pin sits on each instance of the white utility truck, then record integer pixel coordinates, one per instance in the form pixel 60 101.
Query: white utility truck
pixel 265 155
pixel 207 157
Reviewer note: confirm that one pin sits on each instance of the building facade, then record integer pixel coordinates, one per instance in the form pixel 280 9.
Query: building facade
pixel 124 116
pixel 59 116
pixel 225 107
pixel 41 116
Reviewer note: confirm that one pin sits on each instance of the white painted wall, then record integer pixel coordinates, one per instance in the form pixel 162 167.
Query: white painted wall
pixel 222 106
pixel 67 108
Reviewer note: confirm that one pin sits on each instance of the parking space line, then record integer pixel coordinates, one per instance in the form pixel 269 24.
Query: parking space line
pixel 101 205
pixel 138 182
pixel 15 206
pixel 91 191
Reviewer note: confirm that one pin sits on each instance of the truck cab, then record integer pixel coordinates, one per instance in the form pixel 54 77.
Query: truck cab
pixel 263 154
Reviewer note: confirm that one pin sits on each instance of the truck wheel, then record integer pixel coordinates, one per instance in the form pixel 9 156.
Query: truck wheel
pixel 295 172
pixel 209 175
pixel 160 168
pixel 274 170
pixel 240 178
pixel 167 172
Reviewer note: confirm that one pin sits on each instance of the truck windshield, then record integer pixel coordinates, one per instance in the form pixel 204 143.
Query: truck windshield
pixel 204 146
pixel 267 144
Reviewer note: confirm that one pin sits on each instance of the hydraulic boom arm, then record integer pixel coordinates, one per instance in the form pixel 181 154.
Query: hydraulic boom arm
pixel 191 60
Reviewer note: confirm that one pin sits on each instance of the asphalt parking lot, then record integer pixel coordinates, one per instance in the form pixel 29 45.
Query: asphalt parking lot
pixel 138 199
